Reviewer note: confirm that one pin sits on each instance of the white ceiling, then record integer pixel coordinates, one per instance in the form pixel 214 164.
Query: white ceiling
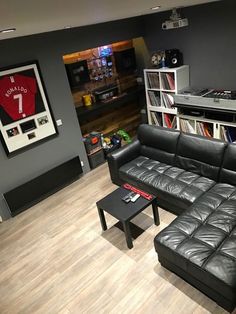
pixel 32 17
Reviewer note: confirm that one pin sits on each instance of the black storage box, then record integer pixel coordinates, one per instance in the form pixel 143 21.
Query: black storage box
pixel 96 159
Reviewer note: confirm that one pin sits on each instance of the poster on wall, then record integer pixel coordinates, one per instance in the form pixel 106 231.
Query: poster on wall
pixel 25 115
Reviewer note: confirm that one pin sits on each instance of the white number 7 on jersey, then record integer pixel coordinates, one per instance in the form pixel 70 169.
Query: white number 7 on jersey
pixel 20 102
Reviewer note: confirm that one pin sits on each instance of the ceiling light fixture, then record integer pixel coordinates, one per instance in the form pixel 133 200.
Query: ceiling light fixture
pixel 67 27
pixel 156 7
pixel 7 30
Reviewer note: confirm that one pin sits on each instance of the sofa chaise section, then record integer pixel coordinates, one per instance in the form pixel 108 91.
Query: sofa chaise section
pixel 200 244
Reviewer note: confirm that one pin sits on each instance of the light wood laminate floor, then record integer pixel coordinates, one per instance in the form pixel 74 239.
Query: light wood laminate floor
pixel 55 258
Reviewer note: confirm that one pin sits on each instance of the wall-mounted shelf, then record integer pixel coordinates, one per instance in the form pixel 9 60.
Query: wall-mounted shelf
pixel 107 117
pixel 131 94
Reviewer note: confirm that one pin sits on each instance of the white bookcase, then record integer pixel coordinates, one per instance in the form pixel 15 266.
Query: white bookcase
pixel 160 86
pixel 207 115
pixel 207 125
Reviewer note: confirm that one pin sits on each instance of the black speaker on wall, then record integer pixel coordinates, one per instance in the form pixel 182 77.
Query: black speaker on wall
pixel 174 58
pixel 125 61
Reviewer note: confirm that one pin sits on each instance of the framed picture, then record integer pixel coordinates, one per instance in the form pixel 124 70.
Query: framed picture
pixel 25 114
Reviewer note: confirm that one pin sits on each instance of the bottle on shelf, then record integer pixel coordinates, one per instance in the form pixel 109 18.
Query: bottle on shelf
pixel 163 63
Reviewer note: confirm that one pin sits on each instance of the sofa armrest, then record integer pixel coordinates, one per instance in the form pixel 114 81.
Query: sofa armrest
pixel 120 157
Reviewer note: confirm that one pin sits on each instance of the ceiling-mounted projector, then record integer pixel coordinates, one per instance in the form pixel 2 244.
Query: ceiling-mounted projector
pixel 175 21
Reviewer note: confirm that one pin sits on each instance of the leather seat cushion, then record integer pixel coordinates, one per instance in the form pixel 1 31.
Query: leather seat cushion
pixel 170 183
pixel 202 241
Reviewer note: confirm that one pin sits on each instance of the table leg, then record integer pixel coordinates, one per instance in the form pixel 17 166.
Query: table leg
pixel 126 227
pixel 102 219
pixel 155 213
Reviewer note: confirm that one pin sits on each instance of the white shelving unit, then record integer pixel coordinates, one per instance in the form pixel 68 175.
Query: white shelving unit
pixel 210 127
pixel 207 115
pixel 160 86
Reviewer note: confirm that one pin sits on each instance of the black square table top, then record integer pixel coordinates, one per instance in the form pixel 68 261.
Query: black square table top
pixel 113 204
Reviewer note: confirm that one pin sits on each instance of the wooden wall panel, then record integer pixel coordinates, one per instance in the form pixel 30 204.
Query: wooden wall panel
pixel 127 117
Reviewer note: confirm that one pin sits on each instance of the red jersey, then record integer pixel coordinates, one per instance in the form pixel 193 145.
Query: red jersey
pixel 17 95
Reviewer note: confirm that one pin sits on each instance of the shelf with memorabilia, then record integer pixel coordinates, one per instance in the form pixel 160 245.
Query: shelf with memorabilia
pixel 106 94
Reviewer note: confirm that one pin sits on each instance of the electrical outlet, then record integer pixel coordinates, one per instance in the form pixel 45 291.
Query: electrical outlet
pixel 0 219
pixel 59 122
pixel 139 80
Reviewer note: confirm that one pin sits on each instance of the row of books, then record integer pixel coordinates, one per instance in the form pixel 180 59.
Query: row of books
pixel 156 118
pixel 228 134
pixel 204 129
pixel 167 100
pixel 154 98
pixel 168 81
pixel 186 126
pixel 168 120
pixel 153 80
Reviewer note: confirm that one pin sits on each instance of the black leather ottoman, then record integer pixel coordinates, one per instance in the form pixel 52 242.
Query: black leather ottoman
pixel 200 245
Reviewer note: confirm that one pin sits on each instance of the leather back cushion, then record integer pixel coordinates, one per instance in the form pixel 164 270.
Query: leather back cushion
pixel 228 171
pixel 158 143
pixel 200 155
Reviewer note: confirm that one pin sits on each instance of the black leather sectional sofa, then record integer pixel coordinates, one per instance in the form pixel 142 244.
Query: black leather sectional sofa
pixel 195 178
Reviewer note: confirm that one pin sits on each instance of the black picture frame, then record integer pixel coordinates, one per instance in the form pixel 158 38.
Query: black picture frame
pixel 26 118
pixel 125 61
pixel 77 73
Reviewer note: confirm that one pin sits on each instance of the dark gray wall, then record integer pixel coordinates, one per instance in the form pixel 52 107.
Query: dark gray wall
pixel 48 49
pixel 208 43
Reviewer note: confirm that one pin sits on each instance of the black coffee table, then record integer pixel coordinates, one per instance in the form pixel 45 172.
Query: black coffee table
pixel 114 205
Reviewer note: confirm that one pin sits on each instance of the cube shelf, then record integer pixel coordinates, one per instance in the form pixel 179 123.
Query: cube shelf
pixel 160 86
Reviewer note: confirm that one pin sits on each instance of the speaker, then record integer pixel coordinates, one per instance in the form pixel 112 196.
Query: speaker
pixel 174 58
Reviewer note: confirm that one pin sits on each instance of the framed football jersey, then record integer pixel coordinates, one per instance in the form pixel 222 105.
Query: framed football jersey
pixel 25 113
